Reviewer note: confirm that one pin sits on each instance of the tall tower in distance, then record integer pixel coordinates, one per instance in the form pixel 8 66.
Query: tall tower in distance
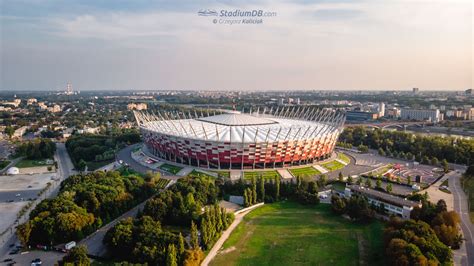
pixel 69 90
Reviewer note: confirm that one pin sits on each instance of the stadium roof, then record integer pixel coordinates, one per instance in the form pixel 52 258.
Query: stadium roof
pixel 236 119
pixel 267 126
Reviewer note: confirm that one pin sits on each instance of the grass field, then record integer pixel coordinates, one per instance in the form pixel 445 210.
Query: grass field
pixel 265 174
pixel 341 156
pixel 173 169
pixel 162 183
pixel 333 165
pixel 31 163
pixel 287 233
pixel 195 173
pixel 305 171
pixel 223 174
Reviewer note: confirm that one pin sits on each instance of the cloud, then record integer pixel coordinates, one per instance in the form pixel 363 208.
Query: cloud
pixel 309 44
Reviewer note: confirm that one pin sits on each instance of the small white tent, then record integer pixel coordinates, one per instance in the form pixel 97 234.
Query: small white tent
pixel 13 171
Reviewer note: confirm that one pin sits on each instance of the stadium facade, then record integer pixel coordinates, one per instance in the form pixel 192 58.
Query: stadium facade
pixel 232 140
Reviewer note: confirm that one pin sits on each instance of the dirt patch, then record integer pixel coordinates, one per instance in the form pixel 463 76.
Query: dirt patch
pixel 227 250
pixel 362 245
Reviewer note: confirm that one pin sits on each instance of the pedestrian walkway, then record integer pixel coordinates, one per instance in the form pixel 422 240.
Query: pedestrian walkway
pixel 320 168
pixel 185 171
pixel 341 161
pixel 285 174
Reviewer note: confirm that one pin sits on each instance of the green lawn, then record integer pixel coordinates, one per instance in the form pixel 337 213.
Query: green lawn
pixel 195 173
pixel 31 163
pixel 341 156
pixel 288 233
pixel 162 183
pixel 173 169
pixel 305 171
pixel 223 174
pixel 265 174
pixel 4 164
pixel 333 165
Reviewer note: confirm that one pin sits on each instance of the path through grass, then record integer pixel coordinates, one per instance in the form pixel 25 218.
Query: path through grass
pixel 288 233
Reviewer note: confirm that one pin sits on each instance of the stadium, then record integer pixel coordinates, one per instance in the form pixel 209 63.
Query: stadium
pixel 277 138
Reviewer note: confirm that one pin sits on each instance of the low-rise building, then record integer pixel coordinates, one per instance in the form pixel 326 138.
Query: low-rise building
pixel 31 101
pixel 393 205
pixel 420 115
pixel 19 132
pixel 360 116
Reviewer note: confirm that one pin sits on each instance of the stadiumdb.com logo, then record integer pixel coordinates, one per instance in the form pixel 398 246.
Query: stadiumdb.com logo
pixel 237 16
pixel 207 12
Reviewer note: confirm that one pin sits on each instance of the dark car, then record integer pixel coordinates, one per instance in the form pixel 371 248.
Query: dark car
pixel 7 260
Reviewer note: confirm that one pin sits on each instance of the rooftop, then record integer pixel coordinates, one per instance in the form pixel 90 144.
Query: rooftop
pixel 237 119
pixel 384 196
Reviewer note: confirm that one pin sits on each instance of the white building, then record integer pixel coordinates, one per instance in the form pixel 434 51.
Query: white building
pixel 393 205
pixel 381 109
pixel 421 115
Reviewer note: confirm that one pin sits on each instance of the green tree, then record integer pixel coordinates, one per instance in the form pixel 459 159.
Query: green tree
pixel 254 191
pixel 261 189
pixel 277 188
pixel 381 152
pixel 181 247
pixel 378 183
pixel 77 256
pixel 340 177
pixel 389 188
pixel 445 165
pixel 9 130
pixel 368 183
pixel 409 180
pixel 194 236
pixel 171 257
pixel 81 165
pixel 349 179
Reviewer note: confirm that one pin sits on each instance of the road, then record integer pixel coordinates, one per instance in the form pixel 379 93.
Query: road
pixel 126 156
pixel 64 171
pixel 460 206
pixel 95 246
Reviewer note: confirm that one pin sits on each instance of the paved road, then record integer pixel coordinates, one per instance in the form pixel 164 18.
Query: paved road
pixel 65 170
pixel 126 156
pixel 94 242
pixel 460 206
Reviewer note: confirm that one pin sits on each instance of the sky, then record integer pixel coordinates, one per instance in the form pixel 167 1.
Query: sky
pixel 166 45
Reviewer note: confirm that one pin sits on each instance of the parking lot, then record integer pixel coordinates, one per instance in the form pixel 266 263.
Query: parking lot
pixel 48 258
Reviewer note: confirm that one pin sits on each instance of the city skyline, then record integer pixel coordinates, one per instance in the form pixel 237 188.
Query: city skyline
pixel 322 45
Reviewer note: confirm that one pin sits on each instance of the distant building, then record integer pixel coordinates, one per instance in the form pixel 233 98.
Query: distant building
pixel 393 112
pixel 415 90
pixel 14 103
pixel 137 106
pixel 54 109
pixel 381 109
pixel 298 101
pixel 42 106
pixel 420 115
pixel 468 92
pixel 31 101
pixel 393 205
pixel 20 132
pixel 360 116
pixel 281 101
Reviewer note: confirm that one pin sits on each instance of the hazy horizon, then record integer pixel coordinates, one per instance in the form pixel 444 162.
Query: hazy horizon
pixel 343 45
